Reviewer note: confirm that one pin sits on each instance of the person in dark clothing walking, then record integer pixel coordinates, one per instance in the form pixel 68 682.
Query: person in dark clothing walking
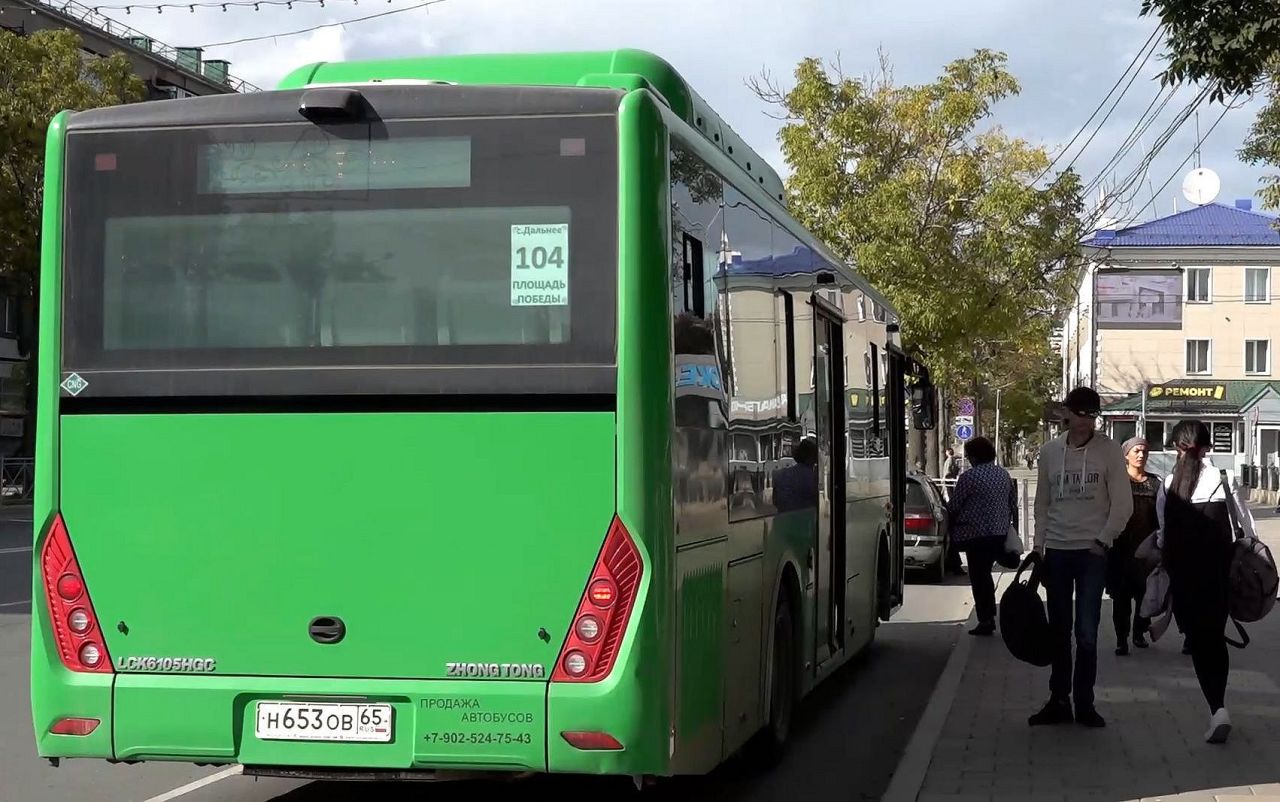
pixel 1195 508
pixel 981 509
pixel 1126 575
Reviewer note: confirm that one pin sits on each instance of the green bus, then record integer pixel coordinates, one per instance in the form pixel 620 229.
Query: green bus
pixel 431 417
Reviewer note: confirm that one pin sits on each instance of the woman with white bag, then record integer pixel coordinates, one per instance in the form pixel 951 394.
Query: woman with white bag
pixel 983 511
pixel 1198 507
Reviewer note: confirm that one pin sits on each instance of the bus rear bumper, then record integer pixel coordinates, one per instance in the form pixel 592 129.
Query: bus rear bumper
pixel 436 724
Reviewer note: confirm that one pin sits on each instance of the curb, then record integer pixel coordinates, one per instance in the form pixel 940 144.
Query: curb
pixel 909 776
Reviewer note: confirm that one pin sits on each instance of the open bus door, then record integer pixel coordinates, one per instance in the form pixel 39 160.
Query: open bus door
pixel 909 381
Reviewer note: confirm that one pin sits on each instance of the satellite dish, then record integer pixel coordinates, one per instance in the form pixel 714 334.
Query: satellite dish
pixel 1201 186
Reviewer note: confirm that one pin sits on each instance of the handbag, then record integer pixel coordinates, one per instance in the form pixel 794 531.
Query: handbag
pixel 1024 624
pixel 1013 541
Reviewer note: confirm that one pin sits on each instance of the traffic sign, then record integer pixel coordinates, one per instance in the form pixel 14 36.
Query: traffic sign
pixel 964 432
pixel 964 420
pixel 965 406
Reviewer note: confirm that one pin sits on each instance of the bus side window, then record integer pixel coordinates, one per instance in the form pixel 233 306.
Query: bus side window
pixel 695 298
pixel 876 385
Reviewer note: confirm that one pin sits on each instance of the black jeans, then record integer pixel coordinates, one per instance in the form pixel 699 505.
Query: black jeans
pixel 1126 605
pixel 1074 579
pixel 982 556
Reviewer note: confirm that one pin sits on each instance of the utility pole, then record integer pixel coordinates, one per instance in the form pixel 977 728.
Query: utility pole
pixel 999 461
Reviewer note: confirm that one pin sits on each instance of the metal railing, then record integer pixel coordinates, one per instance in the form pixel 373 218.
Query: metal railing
pixel 180 58
pixel 17 480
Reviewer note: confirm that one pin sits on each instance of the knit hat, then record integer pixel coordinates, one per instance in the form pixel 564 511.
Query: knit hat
pixel 1132 443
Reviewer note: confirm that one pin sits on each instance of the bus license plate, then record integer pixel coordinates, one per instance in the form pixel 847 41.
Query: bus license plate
pixel 301 721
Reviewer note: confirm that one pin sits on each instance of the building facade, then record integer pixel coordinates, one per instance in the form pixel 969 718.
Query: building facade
pixel 1176 318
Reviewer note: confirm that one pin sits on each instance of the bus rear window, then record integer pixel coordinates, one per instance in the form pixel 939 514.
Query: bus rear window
pixel 452 243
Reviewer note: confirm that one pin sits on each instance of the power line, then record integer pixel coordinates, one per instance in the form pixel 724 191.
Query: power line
pixel 314 28
pixel 1144 123
pixel 256 5
pixel 1183 163
pixel 1111 110
pixel 1097 109
pixel 1138 172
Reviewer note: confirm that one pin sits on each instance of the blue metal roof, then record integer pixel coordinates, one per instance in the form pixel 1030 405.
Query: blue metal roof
pixel 1210 225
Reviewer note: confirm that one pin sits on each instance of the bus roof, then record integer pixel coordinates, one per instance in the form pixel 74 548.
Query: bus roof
pixel 619 69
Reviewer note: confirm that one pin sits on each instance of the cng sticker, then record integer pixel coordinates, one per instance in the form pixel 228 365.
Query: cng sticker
pixel 540 265
pixel 74 384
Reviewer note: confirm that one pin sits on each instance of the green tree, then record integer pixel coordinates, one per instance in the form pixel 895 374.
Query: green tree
pixel 939 211
pixel 1232 43
pixel 40 75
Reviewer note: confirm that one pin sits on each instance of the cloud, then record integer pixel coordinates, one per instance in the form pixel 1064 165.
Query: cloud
pixel 1066 56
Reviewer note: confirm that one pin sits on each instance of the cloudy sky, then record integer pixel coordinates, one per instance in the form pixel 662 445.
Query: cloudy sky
pixel 1067 56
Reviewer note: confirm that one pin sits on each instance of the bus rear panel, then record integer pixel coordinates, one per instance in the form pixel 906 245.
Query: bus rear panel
pixel 335 428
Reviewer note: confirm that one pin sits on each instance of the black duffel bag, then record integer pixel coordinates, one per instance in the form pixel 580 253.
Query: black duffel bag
pixel 1024 625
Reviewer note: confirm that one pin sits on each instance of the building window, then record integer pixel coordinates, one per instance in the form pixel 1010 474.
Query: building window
pixel 1122 430
pixel 1199 357
pixel 1154 434
pixel 1199 285
pixel 1257 285
pixel 1257 357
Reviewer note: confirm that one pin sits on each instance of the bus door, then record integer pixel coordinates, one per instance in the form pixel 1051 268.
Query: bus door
pixel 895 435
pixel 828 362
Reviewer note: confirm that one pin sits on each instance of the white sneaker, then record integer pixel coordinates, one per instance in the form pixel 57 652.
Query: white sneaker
pixel 1219 727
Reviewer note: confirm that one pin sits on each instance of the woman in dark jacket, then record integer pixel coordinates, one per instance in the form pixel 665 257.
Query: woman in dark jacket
pixel 981 509
pixel 1196 507
pixel 1126 575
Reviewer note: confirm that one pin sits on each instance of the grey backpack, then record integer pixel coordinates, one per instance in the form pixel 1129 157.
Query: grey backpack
pixel 1253 579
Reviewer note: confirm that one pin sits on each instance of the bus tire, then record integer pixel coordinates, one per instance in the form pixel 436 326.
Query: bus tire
pixel 882 584
pixel 782 684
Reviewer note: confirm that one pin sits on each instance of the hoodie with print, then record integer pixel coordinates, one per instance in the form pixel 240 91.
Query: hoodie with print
pixel 1082 494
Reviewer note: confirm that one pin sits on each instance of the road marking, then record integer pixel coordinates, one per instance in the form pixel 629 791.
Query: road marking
pixel 16 550
pixel 197 785
pixel 909 776
pixel 14 604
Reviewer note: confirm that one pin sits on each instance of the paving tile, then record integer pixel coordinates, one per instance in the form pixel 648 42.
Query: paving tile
pixel 1153 746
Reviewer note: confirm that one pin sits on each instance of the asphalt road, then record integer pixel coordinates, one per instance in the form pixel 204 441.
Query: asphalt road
pixel 848 740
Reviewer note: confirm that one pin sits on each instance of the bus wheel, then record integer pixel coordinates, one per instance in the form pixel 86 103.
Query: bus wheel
pixel 782 690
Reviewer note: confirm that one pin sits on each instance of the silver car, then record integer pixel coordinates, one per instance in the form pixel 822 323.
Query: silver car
pixel 926 539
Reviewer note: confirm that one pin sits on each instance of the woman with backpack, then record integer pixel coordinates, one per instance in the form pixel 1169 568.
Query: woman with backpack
pixel 1199 508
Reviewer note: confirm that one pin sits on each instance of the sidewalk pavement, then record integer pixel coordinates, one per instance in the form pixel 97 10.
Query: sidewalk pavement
pixel 1153 745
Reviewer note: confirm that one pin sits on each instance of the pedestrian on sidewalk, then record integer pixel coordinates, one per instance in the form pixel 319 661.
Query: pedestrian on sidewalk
pixel 1126 574
pixel 980 512
pixel 1195 508
pixel 1083 502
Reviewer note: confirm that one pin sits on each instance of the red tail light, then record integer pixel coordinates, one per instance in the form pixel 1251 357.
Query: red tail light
pixel 917 522
pixel 592 645
pixel 74 726
pixel 75 625
pixel 591 740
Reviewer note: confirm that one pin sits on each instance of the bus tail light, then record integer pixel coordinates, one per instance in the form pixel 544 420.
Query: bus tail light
pixel 75 625
pixel 74 726
pixel 592 645
pixel 592 741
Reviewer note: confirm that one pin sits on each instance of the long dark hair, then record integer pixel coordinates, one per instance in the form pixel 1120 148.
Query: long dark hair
pixel 1191 439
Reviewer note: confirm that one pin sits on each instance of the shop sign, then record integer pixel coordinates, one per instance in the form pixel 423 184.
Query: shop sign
pixel 1187 391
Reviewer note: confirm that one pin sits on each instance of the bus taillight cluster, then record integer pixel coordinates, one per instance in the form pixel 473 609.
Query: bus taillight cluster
pixel 75 625
pixel 592 646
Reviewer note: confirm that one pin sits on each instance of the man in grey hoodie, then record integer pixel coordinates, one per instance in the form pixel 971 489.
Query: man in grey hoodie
pixel 1083 501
